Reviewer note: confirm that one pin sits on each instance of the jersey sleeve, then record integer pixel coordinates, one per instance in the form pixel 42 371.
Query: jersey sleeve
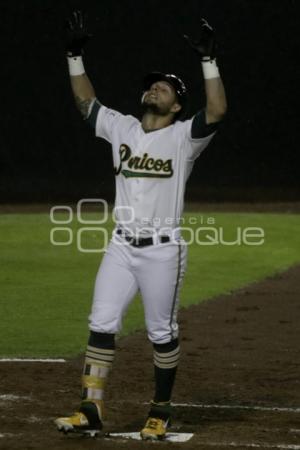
pixel 200 128
pixel 194 146
pixel 106 123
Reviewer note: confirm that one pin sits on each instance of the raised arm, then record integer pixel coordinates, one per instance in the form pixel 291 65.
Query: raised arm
pixel 216 104
pixel 77 37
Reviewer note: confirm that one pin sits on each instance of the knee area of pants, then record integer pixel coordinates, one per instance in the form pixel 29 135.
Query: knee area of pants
pixel 102 340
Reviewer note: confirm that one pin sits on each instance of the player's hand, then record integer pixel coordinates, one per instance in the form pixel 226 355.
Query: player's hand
pixel 205 45
pixel 76 33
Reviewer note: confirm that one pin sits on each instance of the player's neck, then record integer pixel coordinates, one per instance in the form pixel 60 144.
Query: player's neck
pixel 152 122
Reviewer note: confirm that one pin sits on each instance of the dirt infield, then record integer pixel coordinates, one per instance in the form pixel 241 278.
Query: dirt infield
pixel 239 379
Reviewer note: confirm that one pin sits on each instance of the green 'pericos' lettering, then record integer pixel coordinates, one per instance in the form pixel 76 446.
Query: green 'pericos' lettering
pixel 144 166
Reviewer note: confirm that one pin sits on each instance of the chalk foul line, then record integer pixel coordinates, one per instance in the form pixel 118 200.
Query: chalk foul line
pixel 43 360
pixel 295 409
pixel 251 445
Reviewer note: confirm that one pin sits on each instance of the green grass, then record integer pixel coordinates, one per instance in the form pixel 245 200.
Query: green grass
pixel 46 290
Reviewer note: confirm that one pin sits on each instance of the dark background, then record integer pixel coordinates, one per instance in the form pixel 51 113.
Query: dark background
pixel 48 153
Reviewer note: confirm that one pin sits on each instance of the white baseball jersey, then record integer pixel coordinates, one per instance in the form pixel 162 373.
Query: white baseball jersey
pixel 151 173
pixel 151 169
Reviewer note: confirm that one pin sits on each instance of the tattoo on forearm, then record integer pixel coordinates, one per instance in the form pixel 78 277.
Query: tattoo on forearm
pixel 83 106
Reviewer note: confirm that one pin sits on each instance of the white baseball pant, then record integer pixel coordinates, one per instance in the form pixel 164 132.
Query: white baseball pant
pixel 156 271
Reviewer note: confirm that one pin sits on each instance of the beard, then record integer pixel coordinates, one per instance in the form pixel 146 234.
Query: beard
pixel 153 108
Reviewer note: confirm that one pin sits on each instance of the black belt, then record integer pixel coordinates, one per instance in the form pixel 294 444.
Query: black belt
pixel 142 242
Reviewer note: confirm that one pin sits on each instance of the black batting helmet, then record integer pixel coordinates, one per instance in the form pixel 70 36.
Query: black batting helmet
pixel 174 81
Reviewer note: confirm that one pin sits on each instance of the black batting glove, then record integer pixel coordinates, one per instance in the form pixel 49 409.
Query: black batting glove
pixel 205 45
pixel 76 33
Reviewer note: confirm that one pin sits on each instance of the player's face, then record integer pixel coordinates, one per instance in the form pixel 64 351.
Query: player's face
pixel 161 98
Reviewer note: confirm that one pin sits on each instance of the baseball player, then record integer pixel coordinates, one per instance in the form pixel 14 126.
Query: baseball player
pixel 153 158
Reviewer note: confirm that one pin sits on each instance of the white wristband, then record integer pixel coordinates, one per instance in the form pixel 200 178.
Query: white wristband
pixel 75 66
pixel 210 69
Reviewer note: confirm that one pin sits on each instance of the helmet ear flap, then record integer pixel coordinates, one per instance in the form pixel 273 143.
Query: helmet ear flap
pixel 143 96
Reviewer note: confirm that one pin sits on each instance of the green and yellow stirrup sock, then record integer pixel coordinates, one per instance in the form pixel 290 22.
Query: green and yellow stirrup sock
pixel 97 365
